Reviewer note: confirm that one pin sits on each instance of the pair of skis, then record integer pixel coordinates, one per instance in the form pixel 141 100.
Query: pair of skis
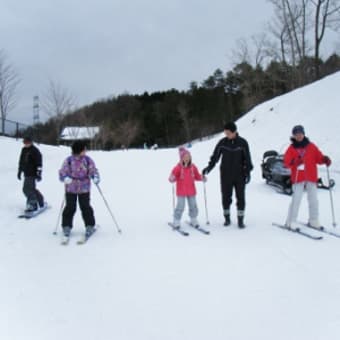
pixel 185 233
pixel 306 234
pixel 84 238
pixel 323 230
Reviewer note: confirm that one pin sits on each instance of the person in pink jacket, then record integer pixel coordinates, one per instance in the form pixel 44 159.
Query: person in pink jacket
pixel 185 173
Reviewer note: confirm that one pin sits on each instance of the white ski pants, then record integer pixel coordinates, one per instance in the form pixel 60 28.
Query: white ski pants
pixel 193 210
pixel 313 205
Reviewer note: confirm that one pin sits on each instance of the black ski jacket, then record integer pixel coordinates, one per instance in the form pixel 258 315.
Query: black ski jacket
pixel 30 160
pixel 236 161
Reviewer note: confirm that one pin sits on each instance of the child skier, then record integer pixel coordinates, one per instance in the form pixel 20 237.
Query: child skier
pixel 76 172
pixel 30 163
pixel 185 174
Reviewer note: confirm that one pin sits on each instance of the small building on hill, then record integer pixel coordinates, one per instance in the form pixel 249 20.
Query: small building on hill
pixel 85 133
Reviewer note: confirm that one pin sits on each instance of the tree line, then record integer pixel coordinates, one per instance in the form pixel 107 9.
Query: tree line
pixel 174 117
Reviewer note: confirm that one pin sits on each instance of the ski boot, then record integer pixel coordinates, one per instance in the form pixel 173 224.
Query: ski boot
pixel 176 224
pixel 240 218
pixel 226 220
pixel 67 231
pixel 89 230
pixel 240 222
pixel 31 207
pixel 315 224
pixel 194 222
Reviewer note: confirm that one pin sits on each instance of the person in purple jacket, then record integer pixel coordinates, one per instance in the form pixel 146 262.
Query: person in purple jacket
pixel 76 173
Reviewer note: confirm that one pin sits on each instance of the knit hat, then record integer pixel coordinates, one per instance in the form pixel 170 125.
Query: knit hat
pixel 298 129
pixel 27 139
pixel 182 152
pixel 78 146
pixel 231 126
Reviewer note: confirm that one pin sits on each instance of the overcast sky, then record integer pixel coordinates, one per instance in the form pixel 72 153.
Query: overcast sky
pixel 99 48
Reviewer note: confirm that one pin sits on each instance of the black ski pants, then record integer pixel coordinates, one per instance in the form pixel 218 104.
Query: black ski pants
pixel 33 195
pixel 71 207
pixel 227 186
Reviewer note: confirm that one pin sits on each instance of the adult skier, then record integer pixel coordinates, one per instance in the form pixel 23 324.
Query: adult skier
pixel 30 164
pixel 302 157
pixel 76 173
pixel 235 170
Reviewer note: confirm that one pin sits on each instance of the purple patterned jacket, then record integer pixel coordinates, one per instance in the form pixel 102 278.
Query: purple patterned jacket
pixel 81 169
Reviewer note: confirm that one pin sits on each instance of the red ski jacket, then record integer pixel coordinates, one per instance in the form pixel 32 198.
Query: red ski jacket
pixel 303 162
pixel 185 178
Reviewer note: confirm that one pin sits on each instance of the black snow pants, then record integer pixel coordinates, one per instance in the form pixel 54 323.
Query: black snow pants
pixel 33 195
pixel 71 207
pixel 227 186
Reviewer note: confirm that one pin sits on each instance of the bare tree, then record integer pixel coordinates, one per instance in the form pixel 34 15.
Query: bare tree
pixel 183 111
pixel 261 48
pixel 241 53
pixel 106 135
pixel 9 80
pixel 278 29
pixel 327 15
pixel 290 26
pixel 294 22
pixel 57 102
pixel 125 132
pixel 253 52
pixel 252 56
pixel 295 17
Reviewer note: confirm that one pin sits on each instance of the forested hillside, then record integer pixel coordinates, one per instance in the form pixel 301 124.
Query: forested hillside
pixel 173 117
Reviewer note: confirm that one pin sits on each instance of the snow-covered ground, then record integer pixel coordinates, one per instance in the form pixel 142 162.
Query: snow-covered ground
pixel 261 283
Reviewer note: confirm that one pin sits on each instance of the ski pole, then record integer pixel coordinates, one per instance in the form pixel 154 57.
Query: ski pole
pixel 108 208
pixel 173 196
pixel 205 203
pixel 331 197
pixel 55 232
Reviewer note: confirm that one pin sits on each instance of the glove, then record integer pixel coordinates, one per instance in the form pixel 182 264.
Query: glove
pixel 205 171
pixel 67 180
pixel 247 178
pixel 327 160
pixel 172 178
pixel 38 174
pixel 19 175
pixel 95 179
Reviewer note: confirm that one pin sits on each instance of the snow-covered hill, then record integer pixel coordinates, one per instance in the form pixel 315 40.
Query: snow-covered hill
pixel 260 283
pixel 315 106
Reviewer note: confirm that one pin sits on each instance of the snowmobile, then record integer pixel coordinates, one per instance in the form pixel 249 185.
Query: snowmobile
pixel 277 175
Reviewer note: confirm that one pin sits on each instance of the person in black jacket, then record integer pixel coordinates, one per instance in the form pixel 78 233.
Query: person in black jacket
pixel 235 170
pixel 30 163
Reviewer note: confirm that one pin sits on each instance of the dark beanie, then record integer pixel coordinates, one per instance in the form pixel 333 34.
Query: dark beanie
pixel 298 129
pixel 27 139
pixel 78 146
pixel 231 126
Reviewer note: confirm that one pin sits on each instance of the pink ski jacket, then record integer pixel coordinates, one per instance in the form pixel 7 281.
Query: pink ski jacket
pixel 185 178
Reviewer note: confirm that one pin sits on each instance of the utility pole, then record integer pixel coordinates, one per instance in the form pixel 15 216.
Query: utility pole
pixel 36 110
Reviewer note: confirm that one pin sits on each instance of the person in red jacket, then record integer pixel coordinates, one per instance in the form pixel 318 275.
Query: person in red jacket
pixel 302 157
pixel 185 173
